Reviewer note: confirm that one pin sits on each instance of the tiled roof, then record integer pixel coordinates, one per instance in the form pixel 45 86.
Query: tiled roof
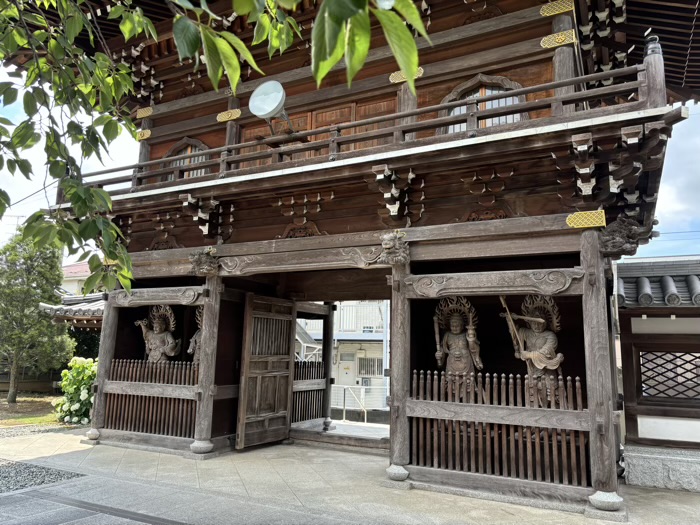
pixel 80 269
pixel 665 282
pixel 77 307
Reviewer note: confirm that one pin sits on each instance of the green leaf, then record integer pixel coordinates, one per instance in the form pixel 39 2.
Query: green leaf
pixel 56 50
pixel 357 41
pixel 244 7
pixel 74 25
pixel 127 26
pixel 408 10
pixel 262 29
pixel 243 51
pixel 116 12
pixel 230 62
pixel 323 55
pixel 402 44
pixel 111 130
pixel 92 281
pixel 186 37
pixel 9 96
pixel 30 107
pixel 212 57
pixel 4 202
pixel 94 262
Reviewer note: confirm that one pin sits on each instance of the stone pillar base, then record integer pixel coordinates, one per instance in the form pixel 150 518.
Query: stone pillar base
pixel 93 434
pixel 397 473
pixel 327 424
pixel 609 501
pixel 201 447
pixel 663 468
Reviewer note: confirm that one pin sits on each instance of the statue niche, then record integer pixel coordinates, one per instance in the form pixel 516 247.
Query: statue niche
pixel 160 343
pixel 456 317
pixel 536 344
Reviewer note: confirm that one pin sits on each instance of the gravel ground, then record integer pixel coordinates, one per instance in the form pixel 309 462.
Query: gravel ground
pixel 25 430
pixel 15 476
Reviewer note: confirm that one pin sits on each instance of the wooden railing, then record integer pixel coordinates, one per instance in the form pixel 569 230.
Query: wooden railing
pixel 534 430
pixel 167 373
pixel 308 391
pixel 153 398
pixel 406 129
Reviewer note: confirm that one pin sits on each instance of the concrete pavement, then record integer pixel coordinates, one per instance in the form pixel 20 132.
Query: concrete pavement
pixel 273 484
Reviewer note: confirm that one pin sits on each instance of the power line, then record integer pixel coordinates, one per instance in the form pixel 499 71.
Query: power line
pixel 32 194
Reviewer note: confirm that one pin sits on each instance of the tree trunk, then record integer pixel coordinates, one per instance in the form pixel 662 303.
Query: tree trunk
pixel 12 393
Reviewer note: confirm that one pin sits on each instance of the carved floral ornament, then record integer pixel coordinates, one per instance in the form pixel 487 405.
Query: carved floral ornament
pixel 147 297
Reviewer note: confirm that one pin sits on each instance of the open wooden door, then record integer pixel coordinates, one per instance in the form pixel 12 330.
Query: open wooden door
pixel 264 404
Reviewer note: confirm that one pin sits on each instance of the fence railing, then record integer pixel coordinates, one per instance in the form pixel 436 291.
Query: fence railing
pixel 409 128
pixel 167 372
pixel 447 434
pixel 359 397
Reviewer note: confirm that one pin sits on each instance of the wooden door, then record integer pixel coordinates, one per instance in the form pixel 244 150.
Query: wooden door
pixel 264 404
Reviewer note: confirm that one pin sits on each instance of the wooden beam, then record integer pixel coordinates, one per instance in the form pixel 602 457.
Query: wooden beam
pixel 603 451
pixel 300 261
pixel 226 392
pixel 186 295
pixel 566 242
pixel 312 308
pixel 505 415
pixel 305 385
pixel 483 483
pixel 560 281
pixel 134 388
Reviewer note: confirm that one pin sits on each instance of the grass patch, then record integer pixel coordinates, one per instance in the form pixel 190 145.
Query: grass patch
pixel 30 409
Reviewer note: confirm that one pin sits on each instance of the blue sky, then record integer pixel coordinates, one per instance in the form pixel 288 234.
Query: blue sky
pixel 678 206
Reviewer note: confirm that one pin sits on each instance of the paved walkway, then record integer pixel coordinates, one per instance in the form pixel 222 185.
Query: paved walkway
pixel 276 484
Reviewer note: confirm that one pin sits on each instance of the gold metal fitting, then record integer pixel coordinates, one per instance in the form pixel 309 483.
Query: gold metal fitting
pixel 559 39
pixel 143 134
pixel 557 8
pixel 397 76
pixel 144 112
pixel 586 219
pixel 231 114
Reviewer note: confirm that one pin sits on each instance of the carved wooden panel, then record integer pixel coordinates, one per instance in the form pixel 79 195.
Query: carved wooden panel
pixel 546 282
pixel 190 295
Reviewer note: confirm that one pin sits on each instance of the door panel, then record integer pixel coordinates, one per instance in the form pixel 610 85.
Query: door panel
pixel 266 371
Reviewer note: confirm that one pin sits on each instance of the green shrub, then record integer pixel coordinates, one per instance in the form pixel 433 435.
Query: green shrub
pixel 76 383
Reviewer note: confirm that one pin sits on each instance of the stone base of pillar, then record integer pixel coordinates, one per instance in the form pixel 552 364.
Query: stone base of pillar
pixel 93 434
pixel 201 447
pixel 619 516
pixel 609 501
pixel 397 473
pixel 327 424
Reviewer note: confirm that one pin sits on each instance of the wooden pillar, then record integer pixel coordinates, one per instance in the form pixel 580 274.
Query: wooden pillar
pixel 655 74
pixel 232 131
pixel 563 62
pixel 598 374
pixel 207 367
pixel 327 352
pixel 108 341
pixel 400 366
pixel 144 151
pixel 406 101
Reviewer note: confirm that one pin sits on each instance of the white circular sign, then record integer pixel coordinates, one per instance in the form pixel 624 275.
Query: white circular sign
pixel 267 100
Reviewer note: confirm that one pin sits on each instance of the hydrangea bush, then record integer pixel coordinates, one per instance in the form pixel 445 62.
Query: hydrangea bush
pixel 76 384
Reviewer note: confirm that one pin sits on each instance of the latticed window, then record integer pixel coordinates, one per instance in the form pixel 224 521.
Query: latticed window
pixel 187 149
pixel 369 366
pixel 670 374
pixel 483 91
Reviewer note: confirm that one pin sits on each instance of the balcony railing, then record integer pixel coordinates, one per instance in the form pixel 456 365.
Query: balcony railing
pixel 628 90
pixel 352 319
